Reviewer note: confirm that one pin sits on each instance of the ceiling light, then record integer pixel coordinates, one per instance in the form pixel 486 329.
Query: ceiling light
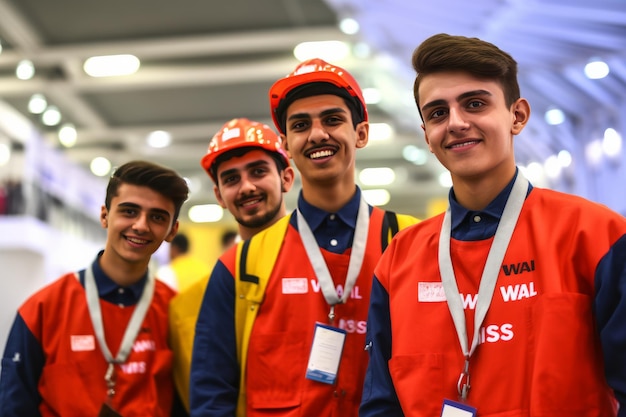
pixel 111 65
pixel 37 104
pixel 5 152
pixel 25 69
pixel 554 117
pixel 349 26
pixel 380 131
pixel 413 154
pixel 612 142
pixel 362 50
pixel 372 95
pixel 159 139
pixel 206 213
pixel 565 158
pixel 377 176
pixel 593 152
pixel 552 167
pixel 67 135
pixel 51 116
pixel 330 51
pixel 445 179
pixel 377 197
pixel 596 69
pixel 100 166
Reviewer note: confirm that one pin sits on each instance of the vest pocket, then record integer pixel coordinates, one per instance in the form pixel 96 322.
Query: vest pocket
pixel 276 370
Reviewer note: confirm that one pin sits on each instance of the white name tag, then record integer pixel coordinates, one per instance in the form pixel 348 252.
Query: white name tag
pixel 325 354
pixel 456 409
pixel 295 286
pixel 430 292
pixel 83 343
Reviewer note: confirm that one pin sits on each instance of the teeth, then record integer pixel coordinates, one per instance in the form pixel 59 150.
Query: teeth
pixel 137 241
pixel 249 203
pixel 461 145
pixel 321 154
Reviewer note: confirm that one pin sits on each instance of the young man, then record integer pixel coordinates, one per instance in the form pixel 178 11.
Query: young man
pixel 518 290
pixel 95 342
pixel 183 269
pixel 260 346
pixel 251 172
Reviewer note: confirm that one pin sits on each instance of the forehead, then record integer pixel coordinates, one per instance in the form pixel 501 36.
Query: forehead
pixel 314 105
pixel 142 196
pixel 238 163
pixel 448 86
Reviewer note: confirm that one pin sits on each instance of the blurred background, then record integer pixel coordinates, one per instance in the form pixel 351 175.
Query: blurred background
pixel 86 86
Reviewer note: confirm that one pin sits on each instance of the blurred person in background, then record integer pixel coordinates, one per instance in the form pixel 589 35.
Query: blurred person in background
pixel 94 342
pixel 250 172
pixel 183 269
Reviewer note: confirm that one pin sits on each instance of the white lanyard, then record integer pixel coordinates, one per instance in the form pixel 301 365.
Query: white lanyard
pixel 489 277
pixel 319 265
pixel 132 329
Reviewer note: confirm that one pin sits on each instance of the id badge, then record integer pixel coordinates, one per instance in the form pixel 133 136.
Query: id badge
pixel 456 409
pixel 325 354
pixel 107 411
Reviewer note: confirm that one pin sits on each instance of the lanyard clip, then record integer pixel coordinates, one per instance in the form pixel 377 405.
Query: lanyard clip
pixel 331 314
pixel 109 377
pixel 463 385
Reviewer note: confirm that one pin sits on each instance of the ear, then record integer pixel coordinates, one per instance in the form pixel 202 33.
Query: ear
pixel 285 144
pixel 218 196
pixel 287 178
pixel 521 112
pixel 103 217
pixel 172 232
pixel 362 134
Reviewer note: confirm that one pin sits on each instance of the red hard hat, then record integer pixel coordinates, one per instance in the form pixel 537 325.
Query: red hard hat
pixel 242 133
pixel 313 71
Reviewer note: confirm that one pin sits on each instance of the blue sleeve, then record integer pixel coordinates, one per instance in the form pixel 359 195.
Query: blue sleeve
pixel 379 395
pixel 214 365
pixel 610 309
pixel 22 364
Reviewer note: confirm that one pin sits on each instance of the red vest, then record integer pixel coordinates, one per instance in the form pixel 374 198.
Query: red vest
pixel 72 382
pixel 539 352
pixel 283 332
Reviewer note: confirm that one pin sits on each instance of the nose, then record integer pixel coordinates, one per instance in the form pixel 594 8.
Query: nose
pixel 141 223
pixel 318 131
pixel 456 120
pixel 247 185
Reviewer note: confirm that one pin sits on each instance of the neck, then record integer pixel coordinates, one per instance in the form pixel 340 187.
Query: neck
pixel 329 198
pixel 121 272
pixel 476 194
pixel 247 232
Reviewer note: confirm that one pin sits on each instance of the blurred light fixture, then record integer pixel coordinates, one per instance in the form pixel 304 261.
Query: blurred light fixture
pixel 377 176
pixel 5 152
pixel 349 26
pixel 159 139
pixel 67 135
pixel 51 116
pixel 100 166
pixel 554 116
pixel 612 142
pixel 534 172
pixel 37 103
pixel 372 95
pixel 445 179
pixel 25 69
pixel 412 153
pixel 0 46
pixel 593 152
pixel 362 50
pixel 596 69
pixel 206 213
pixel 330 51
pixel 380 131
pixel 377 197
pixel 565 158
pixel 552 167
pixel 111 65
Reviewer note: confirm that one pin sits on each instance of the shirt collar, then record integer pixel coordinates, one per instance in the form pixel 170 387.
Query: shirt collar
pixel 314 216
pixel 107 286
pixel 493 209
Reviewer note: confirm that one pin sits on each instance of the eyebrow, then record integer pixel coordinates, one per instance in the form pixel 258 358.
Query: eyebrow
pixel 137 206
pixel 326 112
pixel 463 96
pixel 252 164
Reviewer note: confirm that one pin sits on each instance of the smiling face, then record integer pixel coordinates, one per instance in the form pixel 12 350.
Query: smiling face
pixel 251 188
pixel 469 127
pixel 138 221
pixel 322 141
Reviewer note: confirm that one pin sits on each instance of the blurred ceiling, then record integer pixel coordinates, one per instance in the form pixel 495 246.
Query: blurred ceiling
pixel 204 62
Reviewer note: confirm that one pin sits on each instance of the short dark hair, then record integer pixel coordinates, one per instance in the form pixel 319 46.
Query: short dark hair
pixel 158 178
pixel 181 241
pixel 443 52
pixel 237 152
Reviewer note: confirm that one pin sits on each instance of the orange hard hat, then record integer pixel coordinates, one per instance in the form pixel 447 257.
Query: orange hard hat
pixel 242 133
pixel 314 71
